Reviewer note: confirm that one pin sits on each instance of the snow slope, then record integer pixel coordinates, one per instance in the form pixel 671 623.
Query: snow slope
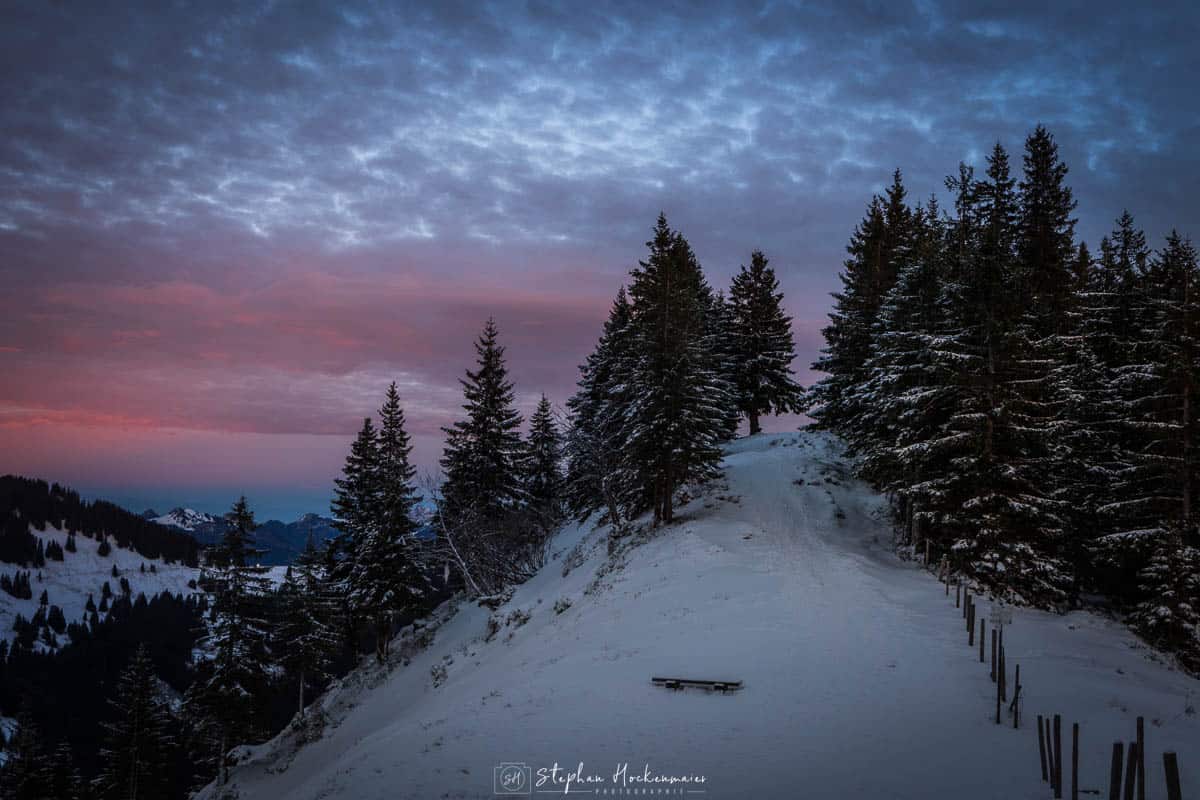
pixel 858 678
pixel 69 582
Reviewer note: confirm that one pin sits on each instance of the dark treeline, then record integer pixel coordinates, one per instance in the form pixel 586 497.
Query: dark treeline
pixel 25 502
pixel 1026 401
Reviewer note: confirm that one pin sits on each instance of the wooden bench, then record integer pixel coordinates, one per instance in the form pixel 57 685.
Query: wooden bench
pixel 711 686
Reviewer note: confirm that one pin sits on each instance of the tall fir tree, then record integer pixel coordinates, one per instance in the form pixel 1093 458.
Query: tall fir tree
pixel 762 343
pixel 356 501
pixel 138 750
pixel 599 475
pixel 227 696
pixel 27 773
pixel 483 452
pixel 308 642
pixel 387 575
pixel 680 397
pixel 543 467
pixel 882 245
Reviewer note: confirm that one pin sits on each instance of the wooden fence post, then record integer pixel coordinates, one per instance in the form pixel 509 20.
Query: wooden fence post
pixel 1171 765
pixel 1016 701
pixel 993 655
pixel 1058 757
pixel 1130 769
pixel 957 595
pixel 971 627
pixel 997 703
pixel 1141 746
pixel 1050 752
pixel 982 628
pixel 1075 761
pixel 1003 677
pixel 1114 775
pixel 1042 748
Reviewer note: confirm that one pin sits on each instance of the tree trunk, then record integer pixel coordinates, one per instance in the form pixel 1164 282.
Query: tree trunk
pixel 1187 451
pixel 754 426
pixel 381 631
pixel 302 693
pixel 668 490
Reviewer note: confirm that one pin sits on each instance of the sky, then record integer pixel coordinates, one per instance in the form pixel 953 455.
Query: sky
pixel 224 229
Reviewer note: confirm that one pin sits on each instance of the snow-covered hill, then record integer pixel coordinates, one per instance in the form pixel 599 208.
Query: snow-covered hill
pixel 68 583
pixel 858 679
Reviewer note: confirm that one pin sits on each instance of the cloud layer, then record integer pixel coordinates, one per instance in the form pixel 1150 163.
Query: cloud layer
pixel 244 220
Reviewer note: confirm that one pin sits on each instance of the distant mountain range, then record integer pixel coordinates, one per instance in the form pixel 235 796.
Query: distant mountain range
pixel 281 541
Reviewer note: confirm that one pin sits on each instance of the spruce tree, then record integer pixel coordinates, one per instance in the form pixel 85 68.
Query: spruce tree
pixel 138 749
pixel 680 399
pixel 308 642
pixel 357 503
pixel 227 696
pixel 65 780
pixel 386 577
pixel 763 348
pixel 907 385
pixel 848 335
pixel 543 467
pixel 600 476
pixel 1169 614
pixel 483 453
pixel 1045 242
pixel 26 774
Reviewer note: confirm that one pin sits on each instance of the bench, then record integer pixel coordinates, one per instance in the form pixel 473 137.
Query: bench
pixel 711 686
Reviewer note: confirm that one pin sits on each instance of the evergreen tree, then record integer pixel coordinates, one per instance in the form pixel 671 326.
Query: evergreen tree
pixel 65 780
pixel 1045 242
pixel 881 246
pixel 680 399
pixel 1169 614
pixel 228 693
pixel 1158 487
pixel 907 385
pixel 848 335
pixel 139 742
pixel 543 467
pixel 307 640
pixel 763 346
pixel 599 475
pixel 483 452
pixel 27 773
pixel 357 498
pixel 386 575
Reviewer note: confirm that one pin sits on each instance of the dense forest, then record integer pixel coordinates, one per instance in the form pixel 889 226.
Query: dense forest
pixel 1026 401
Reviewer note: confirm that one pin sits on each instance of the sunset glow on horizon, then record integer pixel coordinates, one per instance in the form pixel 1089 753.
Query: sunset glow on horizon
pixel 225 230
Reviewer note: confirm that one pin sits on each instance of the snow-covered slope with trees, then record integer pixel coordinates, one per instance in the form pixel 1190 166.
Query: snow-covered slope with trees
pixel 83 573
pixel 858 678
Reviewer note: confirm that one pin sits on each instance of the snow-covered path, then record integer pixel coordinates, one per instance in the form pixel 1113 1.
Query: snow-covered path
pixel 858 678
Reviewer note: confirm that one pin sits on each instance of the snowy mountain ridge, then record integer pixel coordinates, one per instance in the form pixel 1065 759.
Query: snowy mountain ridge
pixel 187 519
pixel 858 681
